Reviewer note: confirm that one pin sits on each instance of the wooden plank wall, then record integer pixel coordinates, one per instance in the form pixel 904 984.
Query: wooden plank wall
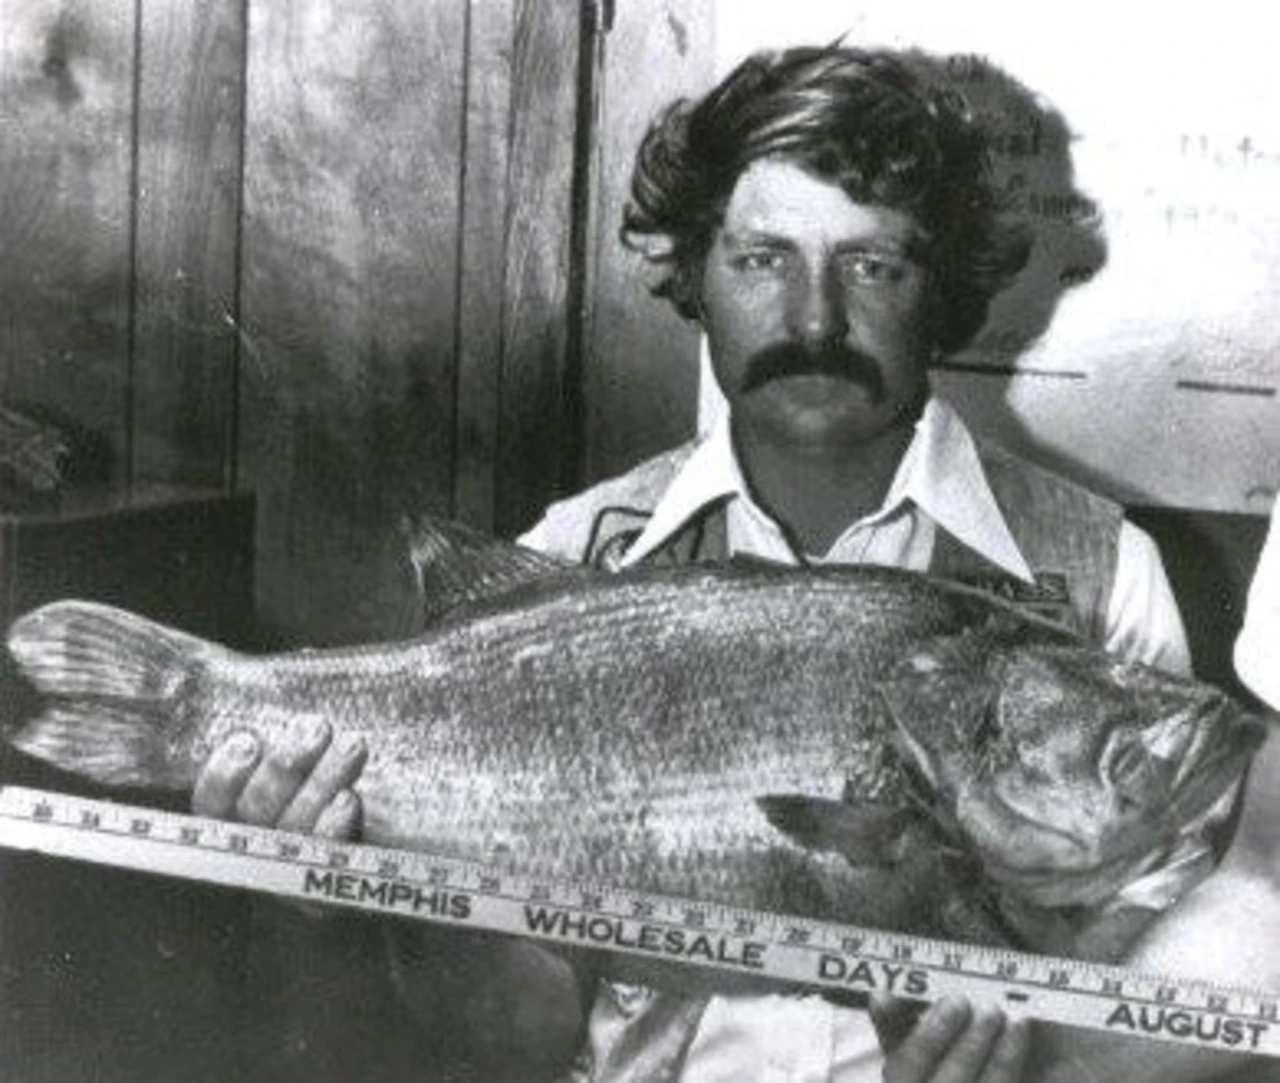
pixel 349 295
pixel 536 413
pixel 320 250
pixel 189 116
pixel 641 371
pixel 66 221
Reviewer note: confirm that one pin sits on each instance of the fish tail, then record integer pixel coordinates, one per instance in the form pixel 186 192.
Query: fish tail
pixel 112 687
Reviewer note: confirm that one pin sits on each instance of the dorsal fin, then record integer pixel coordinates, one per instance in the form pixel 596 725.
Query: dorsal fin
pixel 454 563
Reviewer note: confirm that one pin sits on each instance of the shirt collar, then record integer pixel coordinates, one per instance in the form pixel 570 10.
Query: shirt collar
pixel 940 473
pixel 709 474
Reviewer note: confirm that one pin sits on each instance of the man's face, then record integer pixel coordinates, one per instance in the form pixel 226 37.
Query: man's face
pixel 815 310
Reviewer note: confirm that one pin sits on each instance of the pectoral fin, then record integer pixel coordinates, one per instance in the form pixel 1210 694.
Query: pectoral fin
pixel 865 833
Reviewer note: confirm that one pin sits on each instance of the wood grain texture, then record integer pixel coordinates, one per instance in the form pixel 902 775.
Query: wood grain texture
pixel 190 123
pixel 482 257
pixel 535 425
pixel 348 301
pixel 641 357
pixel 66 84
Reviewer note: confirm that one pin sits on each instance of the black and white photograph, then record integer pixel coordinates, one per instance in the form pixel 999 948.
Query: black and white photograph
pixel 608 541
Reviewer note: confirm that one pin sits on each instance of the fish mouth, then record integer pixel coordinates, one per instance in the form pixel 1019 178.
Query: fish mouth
pixel 1216 746
pixel 1048 865
pixel 1056 888
pixel 1059 864
pixel 1209 766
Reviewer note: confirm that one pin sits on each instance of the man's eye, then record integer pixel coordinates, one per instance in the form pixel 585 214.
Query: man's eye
pixel 874 267
pixel 759 261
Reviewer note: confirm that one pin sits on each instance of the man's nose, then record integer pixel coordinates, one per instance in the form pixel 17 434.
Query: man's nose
pixel 817 309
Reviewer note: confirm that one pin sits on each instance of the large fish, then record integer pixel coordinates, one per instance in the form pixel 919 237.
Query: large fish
pixel 862 744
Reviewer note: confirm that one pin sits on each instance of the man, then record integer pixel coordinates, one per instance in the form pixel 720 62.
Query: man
pixel 830 221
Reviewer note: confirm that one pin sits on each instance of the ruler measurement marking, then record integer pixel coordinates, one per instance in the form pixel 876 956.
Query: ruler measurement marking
pixel 791 934
pixel 796 937
pixel 791 949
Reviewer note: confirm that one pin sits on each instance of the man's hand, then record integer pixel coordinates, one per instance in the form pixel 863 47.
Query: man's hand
pixel 303 783
pixel 948 1043
pixel 504 1008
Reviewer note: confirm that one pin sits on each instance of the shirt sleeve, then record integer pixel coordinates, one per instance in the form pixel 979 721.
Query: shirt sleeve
pixel 1257 651
pixel 1143 622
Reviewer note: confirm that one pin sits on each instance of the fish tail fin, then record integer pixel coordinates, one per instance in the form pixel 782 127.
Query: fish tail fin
pixel 112 686
pixel 113 746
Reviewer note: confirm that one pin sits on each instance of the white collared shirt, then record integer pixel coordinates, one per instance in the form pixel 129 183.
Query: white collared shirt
pixel 940 482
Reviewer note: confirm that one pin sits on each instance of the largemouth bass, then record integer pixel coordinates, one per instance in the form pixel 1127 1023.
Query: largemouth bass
pixel 861 744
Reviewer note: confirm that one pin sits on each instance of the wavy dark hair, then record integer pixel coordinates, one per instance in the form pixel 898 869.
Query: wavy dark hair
pixel 870 121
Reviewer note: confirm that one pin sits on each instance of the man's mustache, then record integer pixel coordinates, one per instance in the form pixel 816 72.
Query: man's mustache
pixel 796 359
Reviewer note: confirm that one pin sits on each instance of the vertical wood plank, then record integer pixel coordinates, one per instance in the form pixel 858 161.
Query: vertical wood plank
pixel 103 976
pixel 641 358
pixel 348 303
pixel 190 125
pixel 66 120
pixel 535 417
pixel 482 256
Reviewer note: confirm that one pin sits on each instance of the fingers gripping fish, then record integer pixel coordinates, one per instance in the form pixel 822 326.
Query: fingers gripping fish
pixel 860 744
